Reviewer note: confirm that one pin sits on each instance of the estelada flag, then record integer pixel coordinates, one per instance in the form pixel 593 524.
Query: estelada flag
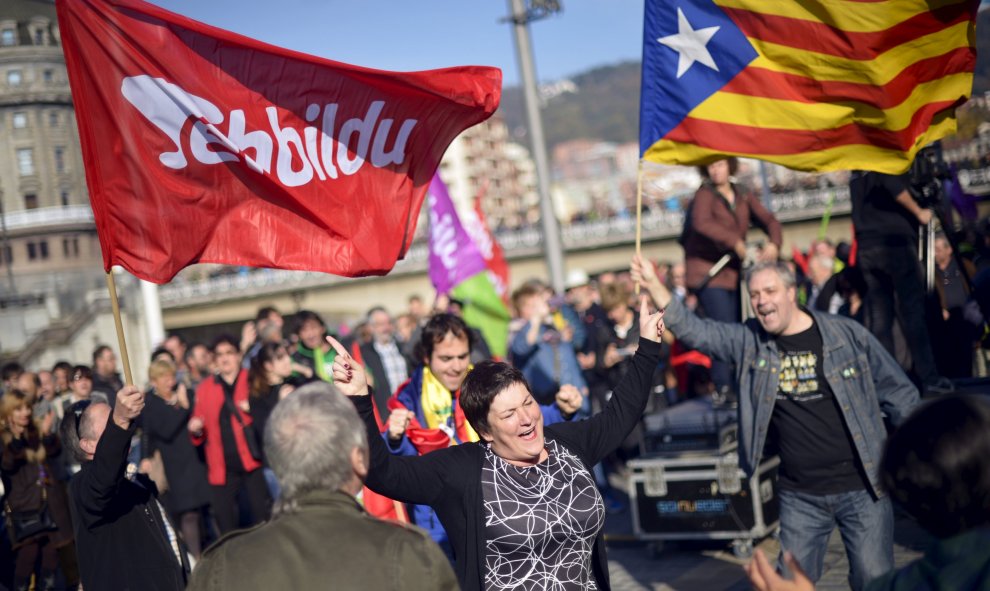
pixel 826 85
pixel 201 145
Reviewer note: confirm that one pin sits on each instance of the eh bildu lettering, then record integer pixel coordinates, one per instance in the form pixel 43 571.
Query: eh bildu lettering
pixel 298 158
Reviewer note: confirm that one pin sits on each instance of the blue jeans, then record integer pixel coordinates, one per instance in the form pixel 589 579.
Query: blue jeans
pixel 866 526
pixel 274 490
pixel 722 305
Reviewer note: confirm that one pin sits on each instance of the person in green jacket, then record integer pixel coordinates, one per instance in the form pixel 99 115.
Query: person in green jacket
pixel 319 535
pixel 313 357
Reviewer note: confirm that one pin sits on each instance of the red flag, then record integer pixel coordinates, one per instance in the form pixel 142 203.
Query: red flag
pixel 201 145
pixel 477 227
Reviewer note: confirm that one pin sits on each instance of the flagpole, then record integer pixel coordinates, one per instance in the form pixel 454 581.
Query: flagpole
pixel 115 305
pixel 639 212
pixel 553 248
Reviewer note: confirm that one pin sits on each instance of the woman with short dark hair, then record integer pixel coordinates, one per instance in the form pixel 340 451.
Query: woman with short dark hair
pixel 221 423
pixel 520 506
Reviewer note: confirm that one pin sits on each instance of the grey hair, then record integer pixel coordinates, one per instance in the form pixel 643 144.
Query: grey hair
pixel 70 437
pixel 308 442
pixel 781 268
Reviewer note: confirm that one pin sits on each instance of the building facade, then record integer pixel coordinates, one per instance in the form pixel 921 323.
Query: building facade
pixel 47 235
pixel 483 157
pixel 53 297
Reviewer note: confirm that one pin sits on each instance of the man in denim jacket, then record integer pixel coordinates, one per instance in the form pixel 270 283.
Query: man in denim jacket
pixel 815 388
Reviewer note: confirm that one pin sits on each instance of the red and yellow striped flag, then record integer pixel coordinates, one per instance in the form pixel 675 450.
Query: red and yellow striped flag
pixel 827 85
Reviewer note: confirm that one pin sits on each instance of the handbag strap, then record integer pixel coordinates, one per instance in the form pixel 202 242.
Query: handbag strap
pixel 42 477
pixel 231 408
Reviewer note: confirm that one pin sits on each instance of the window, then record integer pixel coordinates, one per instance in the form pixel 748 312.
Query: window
pixel 8 255
pixel 70 247
pixel 25 161
pixel 52 118
pixel 43 249
pixel 32 250
pixel 30 201
pixel 64 197
pixel 14 77
pixel 20 120
pixel 48 76
pixel 39 36
pixel 59 159
pixel 8 37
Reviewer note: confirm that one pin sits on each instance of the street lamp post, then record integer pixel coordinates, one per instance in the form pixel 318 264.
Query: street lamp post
pixel 520 18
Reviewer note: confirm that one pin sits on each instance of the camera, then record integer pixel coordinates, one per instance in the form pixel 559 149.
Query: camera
pixel 926 175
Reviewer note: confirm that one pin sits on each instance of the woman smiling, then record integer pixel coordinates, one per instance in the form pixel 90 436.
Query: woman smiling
pixel 520 506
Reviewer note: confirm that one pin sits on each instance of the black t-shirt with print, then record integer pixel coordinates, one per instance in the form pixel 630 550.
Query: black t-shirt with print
pixel 816 452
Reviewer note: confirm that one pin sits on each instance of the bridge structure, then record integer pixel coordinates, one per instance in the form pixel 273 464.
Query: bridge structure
pixel 595 247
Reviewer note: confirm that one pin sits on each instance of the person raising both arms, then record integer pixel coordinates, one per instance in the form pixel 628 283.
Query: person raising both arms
pixel 520 505
pixel 426 413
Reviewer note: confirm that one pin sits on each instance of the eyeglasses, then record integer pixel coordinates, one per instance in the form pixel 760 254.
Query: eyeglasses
pixel 77 409
pixel 81 376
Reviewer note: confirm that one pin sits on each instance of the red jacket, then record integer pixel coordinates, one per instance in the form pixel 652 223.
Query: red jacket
pixel 209 402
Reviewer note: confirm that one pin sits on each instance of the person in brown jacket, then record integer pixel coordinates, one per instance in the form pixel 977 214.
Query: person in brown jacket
pixel 715 225
pixel 320 537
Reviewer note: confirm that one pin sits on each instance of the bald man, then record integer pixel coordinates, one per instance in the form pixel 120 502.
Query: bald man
pixel 123 536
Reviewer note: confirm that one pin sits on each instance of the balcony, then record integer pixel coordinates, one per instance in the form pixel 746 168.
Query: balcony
pixel 48 216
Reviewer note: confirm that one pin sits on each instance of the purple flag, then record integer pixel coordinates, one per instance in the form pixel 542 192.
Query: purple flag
pixel 964 203
pixel 453 255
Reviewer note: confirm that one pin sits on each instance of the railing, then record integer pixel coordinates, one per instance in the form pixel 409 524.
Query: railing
pixel 657 224
pixel 48 216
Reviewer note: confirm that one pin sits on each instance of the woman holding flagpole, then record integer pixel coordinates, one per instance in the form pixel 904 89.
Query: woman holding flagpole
pixel 520 506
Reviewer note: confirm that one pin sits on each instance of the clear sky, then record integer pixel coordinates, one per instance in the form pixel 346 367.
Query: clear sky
pixel 425 34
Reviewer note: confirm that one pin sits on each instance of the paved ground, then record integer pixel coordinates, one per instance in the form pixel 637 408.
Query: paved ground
pixel 635 566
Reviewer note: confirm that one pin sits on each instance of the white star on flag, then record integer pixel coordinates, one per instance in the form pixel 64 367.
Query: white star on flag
pixel 690 44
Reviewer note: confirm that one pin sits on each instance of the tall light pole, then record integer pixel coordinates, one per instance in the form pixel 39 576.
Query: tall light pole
pixel 520 18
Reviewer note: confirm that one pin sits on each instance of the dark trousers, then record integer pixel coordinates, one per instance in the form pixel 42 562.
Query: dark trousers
pixel 225 505
pixel 897 292
pixel 722 305
pixel 27 561
pixel 953 345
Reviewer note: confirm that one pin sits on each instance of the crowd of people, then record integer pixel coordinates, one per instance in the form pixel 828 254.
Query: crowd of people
pixel 248 444
pixel 198 438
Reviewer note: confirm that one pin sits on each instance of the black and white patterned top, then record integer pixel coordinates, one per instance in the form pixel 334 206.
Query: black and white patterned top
pixel 540 522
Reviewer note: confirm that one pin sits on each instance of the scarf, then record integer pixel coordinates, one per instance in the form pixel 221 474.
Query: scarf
pixel 322 362
pixel 439 410
pixel 445 422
